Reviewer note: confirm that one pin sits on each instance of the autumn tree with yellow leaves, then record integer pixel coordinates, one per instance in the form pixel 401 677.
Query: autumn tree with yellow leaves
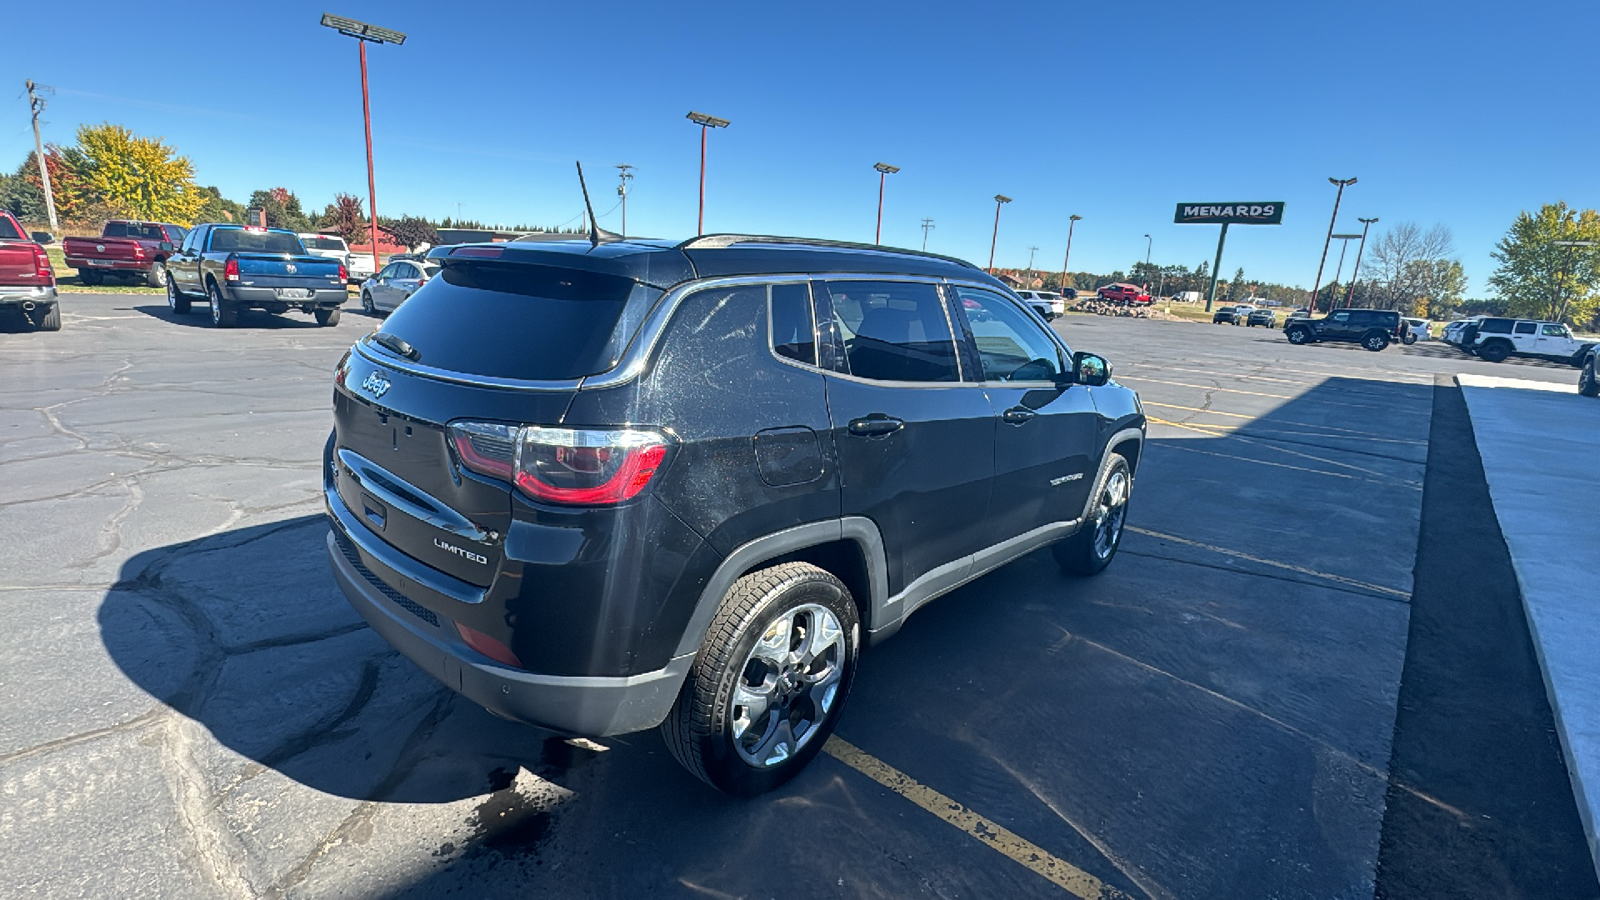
pixel 141 175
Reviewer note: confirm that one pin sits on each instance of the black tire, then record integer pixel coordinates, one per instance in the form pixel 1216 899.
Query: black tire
pixel 1094 546
pixel 1299 334
pixel 89 277
pixel 51 321
pixel 700 729
pixel 1375 341
pixel 1588 386
pixel 177 301
pixel 157 276
pixel 1409 339
pixel 367 306
pixel 1494 352
pixel 327 317
pixel 223 313
pixel 1578 358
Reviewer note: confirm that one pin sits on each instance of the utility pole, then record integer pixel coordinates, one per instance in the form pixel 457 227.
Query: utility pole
pixel 1031 252
pixel 1311 307
pixel 1356 272
pixel 927 226
pixel 1072 222
pixel 37 103
pixel 622 191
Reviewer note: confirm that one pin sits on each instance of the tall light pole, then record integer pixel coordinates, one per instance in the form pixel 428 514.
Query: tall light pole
pixel 927 225
pixel 1148 243
pixel 1333 289
pixel 1311 308
pixel 1362 248
pixel 1559 309
pixel 365 34
pixel 706 123
pixel 624 176
pixel 36 103
pixel 1031 252
pixel 884 171
pixel 1072 220
pixel 999 201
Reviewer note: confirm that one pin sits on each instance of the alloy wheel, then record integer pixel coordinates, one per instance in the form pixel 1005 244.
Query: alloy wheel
pixel 1109 512
pixel 788 685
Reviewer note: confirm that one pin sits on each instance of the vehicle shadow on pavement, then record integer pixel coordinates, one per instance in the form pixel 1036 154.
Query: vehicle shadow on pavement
pixel 1425 350
pixel 199 316
pixel 246 633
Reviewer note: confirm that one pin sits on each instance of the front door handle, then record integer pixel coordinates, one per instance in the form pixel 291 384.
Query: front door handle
pixel 1017 415
pixel 875 425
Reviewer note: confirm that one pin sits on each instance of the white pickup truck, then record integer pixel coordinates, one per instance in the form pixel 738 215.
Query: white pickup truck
pixel 1498 338
pixel 329 246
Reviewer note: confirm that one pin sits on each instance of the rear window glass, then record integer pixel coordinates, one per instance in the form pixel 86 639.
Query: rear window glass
pixel 323 243
pixel 227 240
pixel 894 331
pixel 145 232
pixel 1495 326
pixel 9 231
pixel 521 322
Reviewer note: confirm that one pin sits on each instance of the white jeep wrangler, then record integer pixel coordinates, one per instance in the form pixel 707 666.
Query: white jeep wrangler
pixel 1498 338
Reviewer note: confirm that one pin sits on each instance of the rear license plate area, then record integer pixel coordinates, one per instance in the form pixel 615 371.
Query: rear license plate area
pixel 292 293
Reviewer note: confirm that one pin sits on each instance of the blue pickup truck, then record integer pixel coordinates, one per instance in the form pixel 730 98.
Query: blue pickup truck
pixel 238 267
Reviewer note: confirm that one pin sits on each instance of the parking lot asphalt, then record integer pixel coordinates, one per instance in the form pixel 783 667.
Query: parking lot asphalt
pixel 192 709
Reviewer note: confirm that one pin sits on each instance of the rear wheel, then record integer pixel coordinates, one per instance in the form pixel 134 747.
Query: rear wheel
pixel 366 304
pixel 1298 334
pixel 223 313
pixel 157 277
pixel 89 277
pixel 1090 550
pixel 52 319
pixel 327 317
pixel 176 299
pixel 1375 341
pixel 1587 385
pixel 769 681
pixel 1494 352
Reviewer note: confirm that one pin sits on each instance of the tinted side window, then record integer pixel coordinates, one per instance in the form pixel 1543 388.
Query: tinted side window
pixel 1011 344
pixel 1495 326
pixel 793 335
pixel 894 331
pixel 1526 327
pixel 115 229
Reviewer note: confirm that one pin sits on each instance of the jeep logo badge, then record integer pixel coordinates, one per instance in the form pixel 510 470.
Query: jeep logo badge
pixel 376 385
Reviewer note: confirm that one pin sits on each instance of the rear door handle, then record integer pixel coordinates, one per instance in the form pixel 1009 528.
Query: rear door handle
pixel 1017 415
pixel 875 425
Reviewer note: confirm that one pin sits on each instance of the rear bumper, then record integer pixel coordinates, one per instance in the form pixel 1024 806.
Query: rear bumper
pixel 594 706
pixel 321 296
pixel 19 298
pixel 108 265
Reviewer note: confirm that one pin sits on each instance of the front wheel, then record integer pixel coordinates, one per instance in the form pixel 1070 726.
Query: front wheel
pixel 1090 550
pixel 769 681
pixel 176 300
pixel 1587 385
pixel 1495 352
pixel 1299 334
pixel 327 317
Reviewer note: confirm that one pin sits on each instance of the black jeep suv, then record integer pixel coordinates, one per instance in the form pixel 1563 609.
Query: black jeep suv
pixel 604 487
pixel 1373 329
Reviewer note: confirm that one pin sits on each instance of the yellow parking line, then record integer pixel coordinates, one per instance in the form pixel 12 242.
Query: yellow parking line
pixel 1214 412
pixel 996 837
pixel 1204 387
pixel 1339 579
pixel 1213 431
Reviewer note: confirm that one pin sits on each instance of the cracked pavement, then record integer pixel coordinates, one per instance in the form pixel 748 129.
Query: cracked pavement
pixel 192 709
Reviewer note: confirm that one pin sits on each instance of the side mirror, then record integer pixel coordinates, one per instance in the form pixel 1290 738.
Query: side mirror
pixel 165 246
pixel 43 237
pixel 1090 369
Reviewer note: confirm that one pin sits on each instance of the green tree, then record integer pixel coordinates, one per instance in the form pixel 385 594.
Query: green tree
pixel 1537 278
pixel 282 208
pixel 1236 287
pixel 142 175
pixel 218 208
pixel 411 231
pixel 347 216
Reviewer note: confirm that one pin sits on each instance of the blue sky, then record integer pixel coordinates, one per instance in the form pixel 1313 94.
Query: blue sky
pixel 1454 113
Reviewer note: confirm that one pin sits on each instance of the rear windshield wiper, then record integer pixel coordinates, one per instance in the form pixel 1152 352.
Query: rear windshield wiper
pixel 396 345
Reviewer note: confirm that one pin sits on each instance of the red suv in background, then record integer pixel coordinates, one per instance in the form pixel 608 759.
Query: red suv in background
pixel 1124 293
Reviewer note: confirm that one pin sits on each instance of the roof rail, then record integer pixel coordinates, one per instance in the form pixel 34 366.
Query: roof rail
pixel 718 241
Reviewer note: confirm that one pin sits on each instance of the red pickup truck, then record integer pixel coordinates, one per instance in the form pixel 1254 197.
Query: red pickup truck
pixel 124 249
pixel 1122 292
pixel 27 283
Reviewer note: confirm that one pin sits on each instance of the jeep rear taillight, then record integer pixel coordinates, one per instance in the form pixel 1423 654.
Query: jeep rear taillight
pixel 570 466
pixel 230 269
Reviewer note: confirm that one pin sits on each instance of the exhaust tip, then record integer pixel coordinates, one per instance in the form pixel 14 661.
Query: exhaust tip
pixel 27 306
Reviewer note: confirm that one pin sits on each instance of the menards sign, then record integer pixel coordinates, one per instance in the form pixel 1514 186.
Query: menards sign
pixel 1255 213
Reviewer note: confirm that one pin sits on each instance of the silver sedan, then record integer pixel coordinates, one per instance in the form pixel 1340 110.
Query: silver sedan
pixel 390 287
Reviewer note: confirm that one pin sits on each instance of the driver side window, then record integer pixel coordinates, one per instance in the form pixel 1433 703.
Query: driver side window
pixel 1012 344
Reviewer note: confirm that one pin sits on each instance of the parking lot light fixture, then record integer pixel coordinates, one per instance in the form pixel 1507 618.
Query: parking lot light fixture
pixel 999 201
pixel 366 33
pixel 1342 183
pixel 706 123
pixel 1071 221
pixel 1360 249
pixel 884 171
